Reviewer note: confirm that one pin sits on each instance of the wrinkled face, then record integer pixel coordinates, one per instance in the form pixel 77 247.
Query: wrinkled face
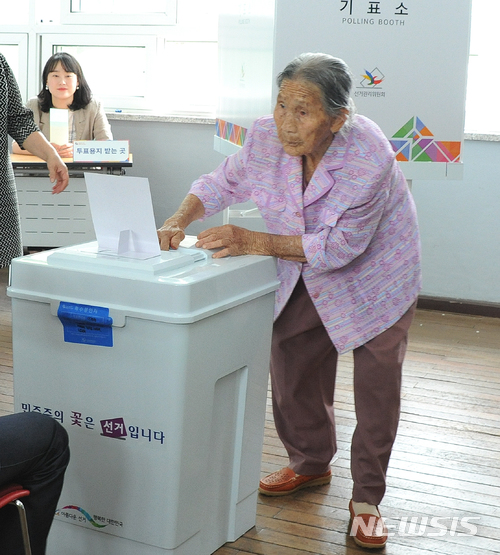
pixel 304 128
pixel 62 84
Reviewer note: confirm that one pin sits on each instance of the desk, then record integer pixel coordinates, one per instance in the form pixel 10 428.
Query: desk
pixel 24 164
pixel 49 220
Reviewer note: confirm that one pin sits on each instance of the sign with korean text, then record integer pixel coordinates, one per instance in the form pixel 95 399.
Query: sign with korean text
pixel 409 63
pixel 101 151
pixel 408 58
pixel 89 325
pixel 410 71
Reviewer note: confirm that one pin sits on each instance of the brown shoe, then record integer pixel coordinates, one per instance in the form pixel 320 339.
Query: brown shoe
pixel 285 481
pixel 368 531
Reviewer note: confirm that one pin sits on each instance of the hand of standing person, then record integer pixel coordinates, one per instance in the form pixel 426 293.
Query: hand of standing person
pixel 38 145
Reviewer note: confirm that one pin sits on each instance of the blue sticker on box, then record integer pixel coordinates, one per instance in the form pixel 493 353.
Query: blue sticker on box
pixel 82 323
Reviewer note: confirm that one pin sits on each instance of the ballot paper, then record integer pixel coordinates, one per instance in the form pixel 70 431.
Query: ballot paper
pixel 122 213
pixel 59 127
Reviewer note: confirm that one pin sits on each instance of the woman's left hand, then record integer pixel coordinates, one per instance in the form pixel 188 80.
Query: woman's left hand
pixel 58 173
pixel 232 240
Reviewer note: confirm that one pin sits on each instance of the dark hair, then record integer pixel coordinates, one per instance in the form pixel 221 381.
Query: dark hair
pixel 83 94
pixel 331 75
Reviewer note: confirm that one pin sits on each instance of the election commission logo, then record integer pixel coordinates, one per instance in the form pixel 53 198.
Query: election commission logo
pixel 372 79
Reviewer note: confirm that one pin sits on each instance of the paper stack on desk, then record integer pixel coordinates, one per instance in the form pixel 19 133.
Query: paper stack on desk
pixel 59 126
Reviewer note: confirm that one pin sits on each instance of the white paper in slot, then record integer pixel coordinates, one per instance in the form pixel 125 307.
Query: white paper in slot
pixel 122 213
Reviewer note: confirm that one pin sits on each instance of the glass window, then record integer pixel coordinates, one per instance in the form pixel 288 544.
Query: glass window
pixel 144 73
pixel 119 12
pixel 11 53
pixel 188 81
pixel 112 71
pixel 119 69
pixel 117 6
pixel 15 49
pixel 16 13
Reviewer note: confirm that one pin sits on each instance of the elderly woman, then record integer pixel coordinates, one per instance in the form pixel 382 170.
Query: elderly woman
pixel 342 223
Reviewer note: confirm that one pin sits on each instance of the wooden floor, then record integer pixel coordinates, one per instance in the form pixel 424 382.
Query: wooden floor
pixel 445 464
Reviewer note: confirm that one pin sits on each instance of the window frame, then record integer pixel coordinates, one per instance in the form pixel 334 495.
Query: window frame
pixel 21 41
pixel 166 17
pixel 149 42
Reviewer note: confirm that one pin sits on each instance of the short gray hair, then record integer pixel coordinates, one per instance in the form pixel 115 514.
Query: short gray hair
pixel 331 75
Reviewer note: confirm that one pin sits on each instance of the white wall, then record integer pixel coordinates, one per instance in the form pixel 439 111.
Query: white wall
pixel 459 220
pixel 460 228
pixel 171 156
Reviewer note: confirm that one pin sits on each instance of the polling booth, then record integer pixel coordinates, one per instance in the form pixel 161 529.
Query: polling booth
pixel 156 363
pixel 408 59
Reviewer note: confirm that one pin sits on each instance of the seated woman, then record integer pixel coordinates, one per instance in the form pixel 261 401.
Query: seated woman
pixel 65 87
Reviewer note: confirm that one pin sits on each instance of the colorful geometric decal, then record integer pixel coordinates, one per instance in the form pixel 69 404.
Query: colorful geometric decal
pixel 415 143
pixel 230 132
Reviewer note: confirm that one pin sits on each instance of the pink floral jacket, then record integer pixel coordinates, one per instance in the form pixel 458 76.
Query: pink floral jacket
pixel 356 217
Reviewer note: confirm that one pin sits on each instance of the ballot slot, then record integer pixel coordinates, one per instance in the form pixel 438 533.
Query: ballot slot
pixel 89 258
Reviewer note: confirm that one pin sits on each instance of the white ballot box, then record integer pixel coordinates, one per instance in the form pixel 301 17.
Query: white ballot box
pixel 158 370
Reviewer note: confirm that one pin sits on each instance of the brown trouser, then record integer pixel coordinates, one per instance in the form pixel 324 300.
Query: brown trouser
pixel 303 369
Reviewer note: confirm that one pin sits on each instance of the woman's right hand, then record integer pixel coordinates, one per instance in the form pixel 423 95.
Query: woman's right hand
pixel 170 234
